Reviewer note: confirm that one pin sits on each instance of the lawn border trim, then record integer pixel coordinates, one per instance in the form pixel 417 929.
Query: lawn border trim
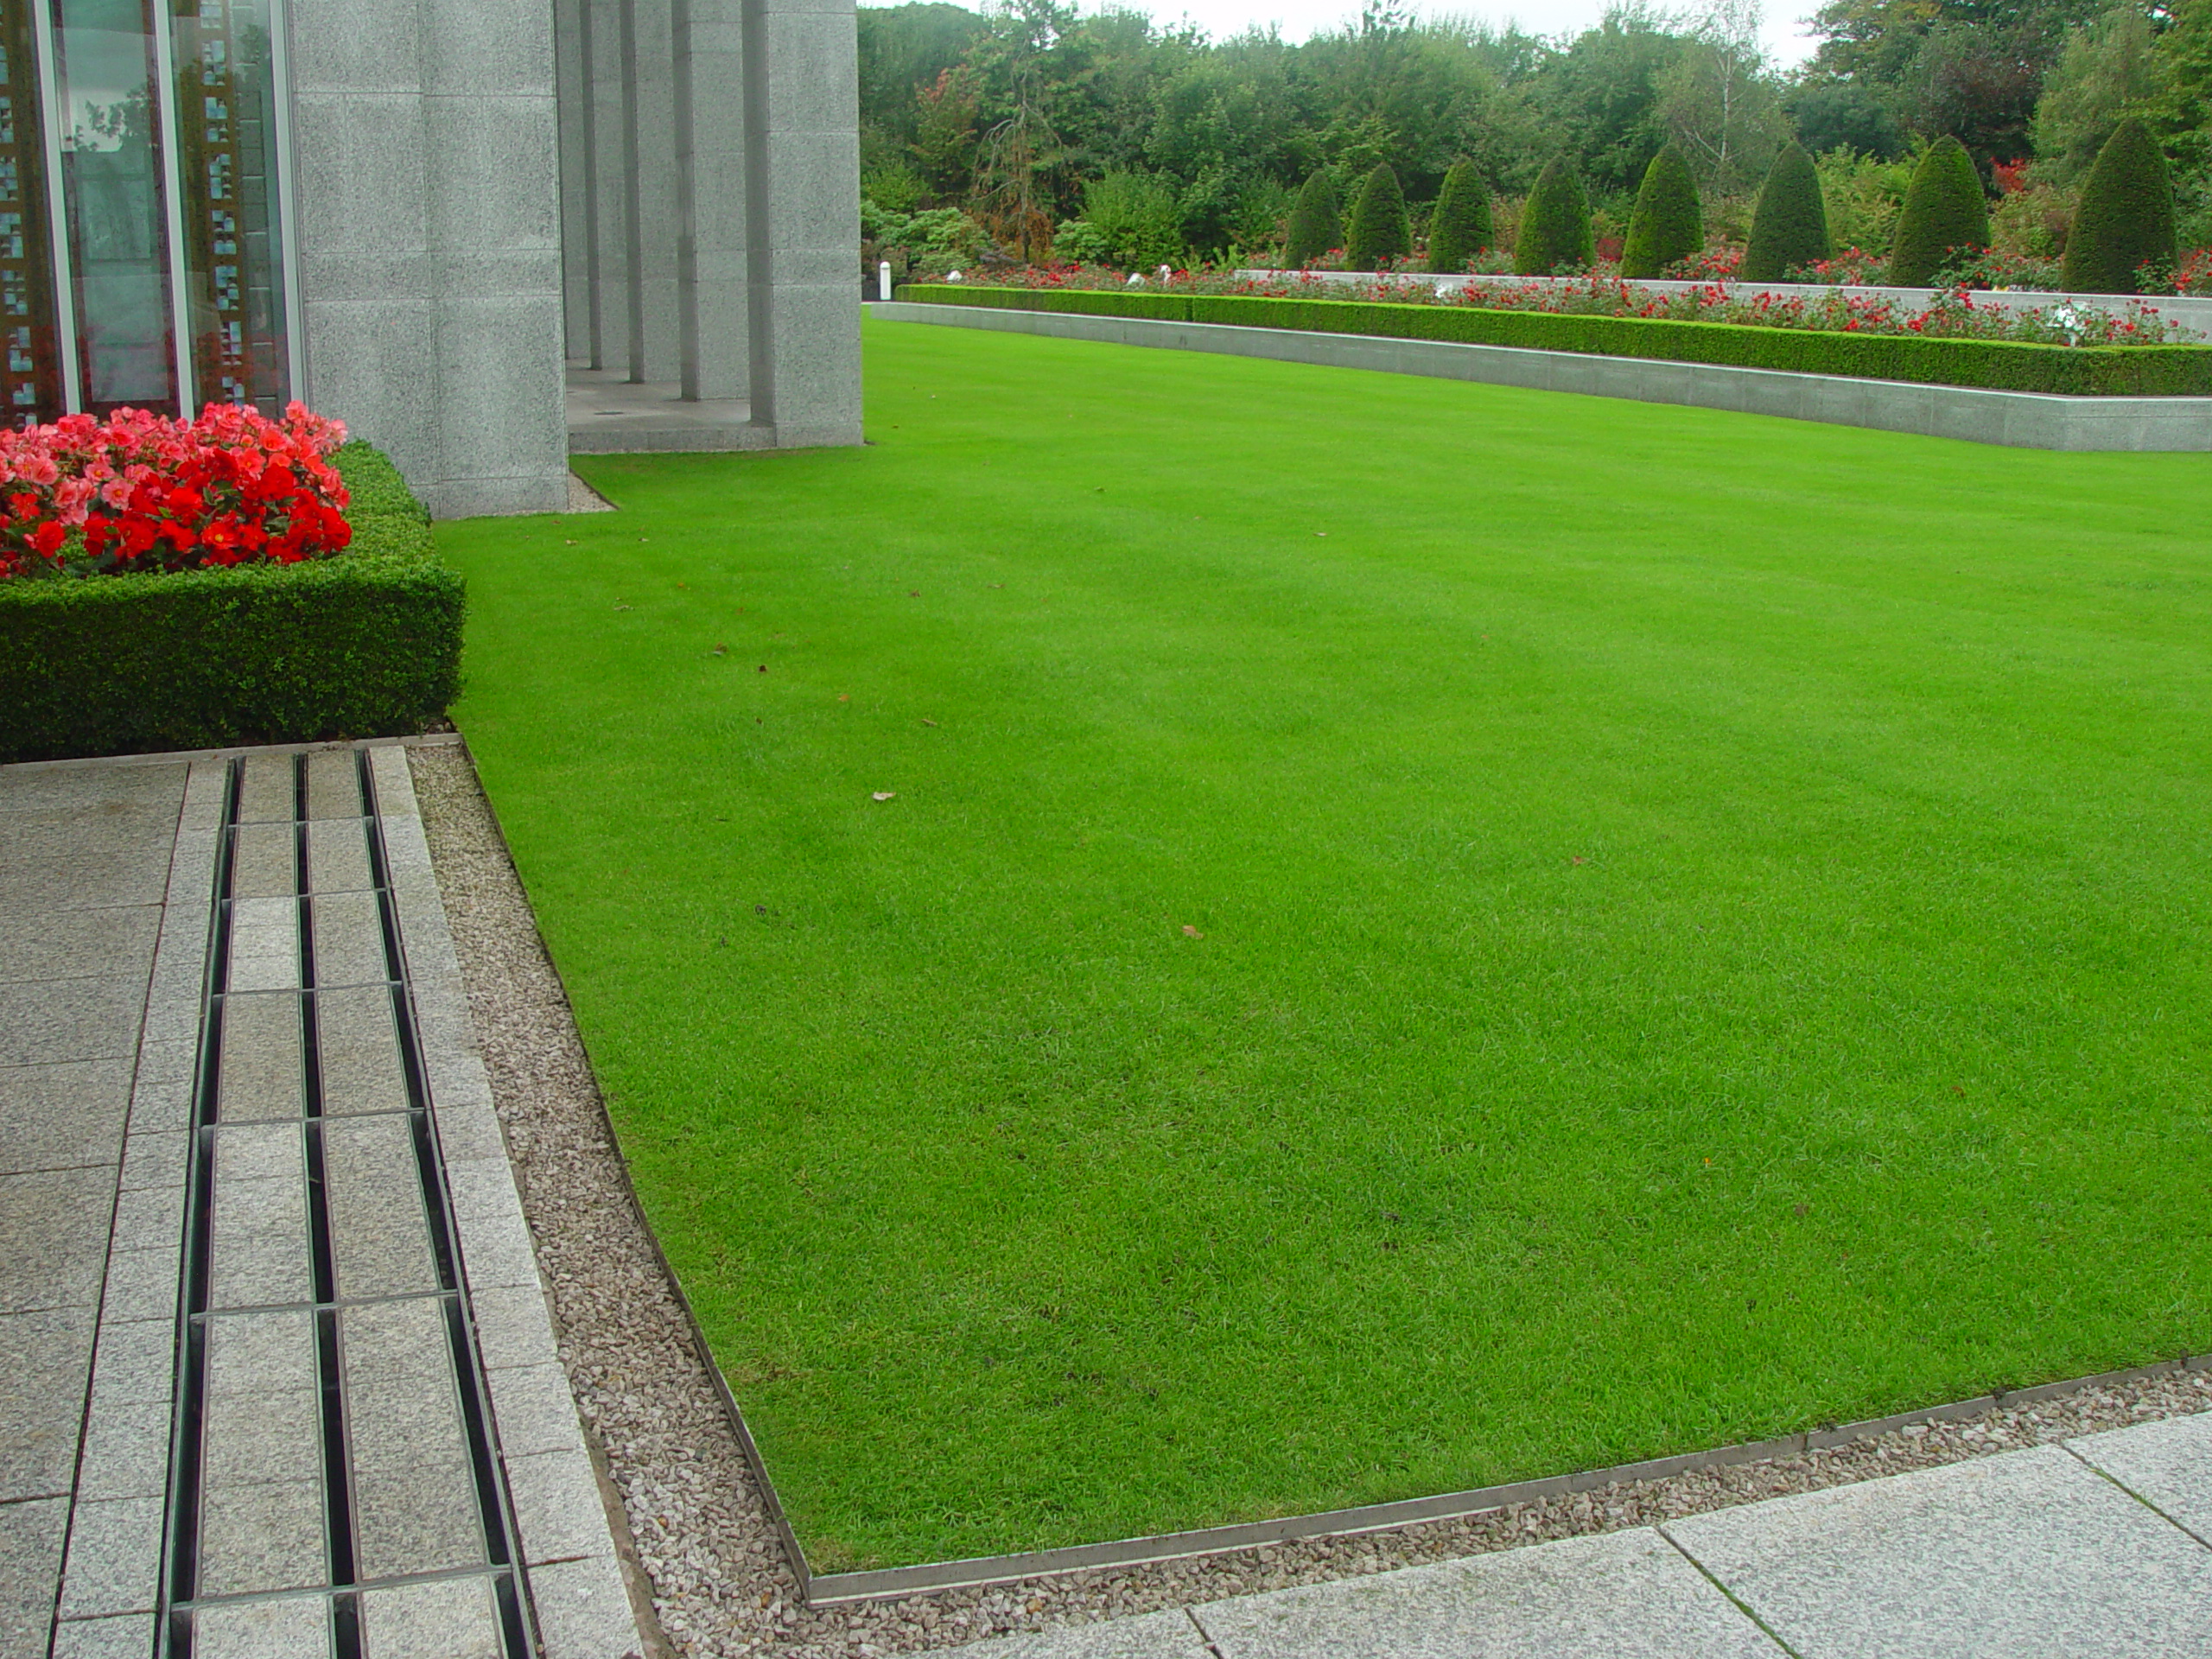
pixel 2027 420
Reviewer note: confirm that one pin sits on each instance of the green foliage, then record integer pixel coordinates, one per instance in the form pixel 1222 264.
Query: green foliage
pixel 1316 224
pixel 1380 233
pixel 1863 196
pixel 1668 224
pixel 1997 365
pixel 1944 209
pixel 1789 226
pixel 365 643
pixel 1459 224
pixel 2126 217
pixel 1554 232
pixel 2106 67
pixel 1139 217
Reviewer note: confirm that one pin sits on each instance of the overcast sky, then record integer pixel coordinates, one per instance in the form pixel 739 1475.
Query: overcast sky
pixel 1300 18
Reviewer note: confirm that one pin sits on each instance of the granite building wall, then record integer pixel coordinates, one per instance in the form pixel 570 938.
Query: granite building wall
pixel 428 218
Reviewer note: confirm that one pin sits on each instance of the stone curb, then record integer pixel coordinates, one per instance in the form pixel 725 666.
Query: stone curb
pixel 2025 420
pixel 566 1542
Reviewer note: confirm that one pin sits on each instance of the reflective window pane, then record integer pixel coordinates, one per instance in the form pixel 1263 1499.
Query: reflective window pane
pixel 234 278
pixel 111 185
pixel 30 361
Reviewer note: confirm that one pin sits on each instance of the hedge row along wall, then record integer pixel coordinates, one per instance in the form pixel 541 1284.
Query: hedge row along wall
pixel 1987 365
pixel 366 643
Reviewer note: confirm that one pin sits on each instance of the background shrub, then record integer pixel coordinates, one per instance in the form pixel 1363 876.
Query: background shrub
pixel 1380 233
pixel 1317 227
pixel 365 643
pixel 1554 224
pixel 1789 226
pixel 1944 208
pixel 1459 227
pixel 2126 220
pixel 1139 217
pixel 1667 224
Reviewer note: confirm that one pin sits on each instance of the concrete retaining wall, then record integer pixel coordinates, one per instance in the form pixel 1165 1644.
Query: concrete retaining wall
pixel 2021 419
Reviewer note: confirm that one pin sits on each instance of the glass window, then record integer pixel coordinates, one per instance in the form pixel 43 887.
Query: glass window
pixel 113 188
pixel 30 360
pixel 234 279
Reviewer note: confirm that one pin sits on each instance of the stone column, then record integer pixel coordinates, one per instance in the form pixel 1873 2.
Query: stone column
pixel 493 170
pixel 711 267
pixel 802 157
pixel 607 258
pixel 572 54
pixel 360 220
pixel 656 346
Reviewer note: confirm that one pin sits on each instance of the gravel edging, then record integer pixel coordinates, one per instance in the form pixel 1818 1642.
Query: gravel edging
pixel 700 1541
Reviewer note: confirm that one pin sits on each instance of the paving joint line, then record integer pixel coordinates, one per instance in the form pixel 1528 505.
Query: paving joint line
pixel 2181 1527
pixel 1734 1601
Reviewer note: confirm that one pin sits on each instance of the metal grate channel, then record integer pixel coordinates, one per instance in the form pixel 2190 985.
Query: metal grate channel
pixel 184 1593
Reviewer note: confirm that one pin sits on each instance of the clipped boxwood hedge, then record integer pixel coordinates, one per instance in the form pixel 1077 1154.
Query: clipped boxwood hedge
pixel 365 643
pixel 1987 364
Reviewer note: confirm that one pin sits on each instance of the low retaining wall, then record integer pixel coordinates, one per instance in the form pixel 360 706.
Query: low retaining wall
pixel 2019 419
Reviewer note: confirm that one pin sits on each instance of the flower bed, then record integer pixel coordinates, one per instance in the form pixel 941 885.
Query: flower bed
pixel 140 492
pixel 212 602
pixel 1779 339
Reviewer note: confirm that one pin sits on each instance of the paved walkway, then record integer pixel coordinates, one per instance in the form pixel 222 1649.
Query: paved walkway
pixel 2089 1550
pixel 276 1376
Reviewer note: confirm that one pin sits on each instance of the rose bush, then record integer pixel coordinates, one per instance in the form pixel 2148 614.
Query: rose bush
pixel 81 496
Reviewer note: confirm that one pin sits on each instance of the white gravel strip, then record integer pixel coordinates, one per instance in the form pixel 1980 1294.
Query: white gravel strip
pixel 698 1532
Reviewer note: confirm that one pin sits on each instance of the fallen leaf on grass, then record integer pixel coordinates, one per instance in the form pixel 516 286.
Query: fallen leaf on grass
pixel 1190 932
pixel 845 696
pixel 721 651
pixel 884 795
pixel 928 722
pixel 764 668
pixel 621 607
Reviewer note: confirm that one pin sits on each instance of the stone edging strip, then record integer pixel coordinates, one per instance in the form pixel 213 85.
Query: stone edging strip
pixel 832 1589
pixel 576 1584
pixel 2027 420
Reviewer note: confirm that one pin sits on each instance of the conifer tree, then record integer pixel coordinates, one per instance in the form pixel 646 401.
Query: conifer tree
pixel 1379 230
pixel 1459 227
pixel 1554 224
pixel 1668 223
pixel 2126 220
pixel 1944 208
pixel 1317 227
pixel 1789 225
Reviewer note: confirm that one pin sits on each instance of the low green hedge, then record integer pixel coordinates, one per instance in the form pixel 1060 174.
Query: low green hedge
pixel 1989 365
pixel 364 644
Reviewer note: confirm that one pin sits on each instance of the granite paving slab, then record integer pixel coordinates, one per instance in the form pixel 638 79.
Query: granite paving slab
pixel 1168 1635
pixel 2029 1552
pixel 1618 1595
pixel 2168 1465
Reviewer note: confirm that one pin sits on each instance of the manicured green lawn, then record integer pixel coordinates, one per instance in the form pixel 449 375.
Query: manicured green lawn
pixel 1424 934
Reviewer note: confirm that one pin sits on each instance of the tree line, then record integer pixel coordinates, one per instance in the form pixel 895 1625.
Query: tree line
pixel 1030 128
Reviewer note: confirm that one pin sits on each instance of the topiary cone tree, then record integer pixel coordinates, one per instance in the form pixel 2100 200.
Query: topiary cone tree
pixel 1789 225
pixel 1379 230
pixel 1459 227
pixel 1317 227
pixel 1554 224
pixel 1944 208
pixel 1667 224
pixel 2126 219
